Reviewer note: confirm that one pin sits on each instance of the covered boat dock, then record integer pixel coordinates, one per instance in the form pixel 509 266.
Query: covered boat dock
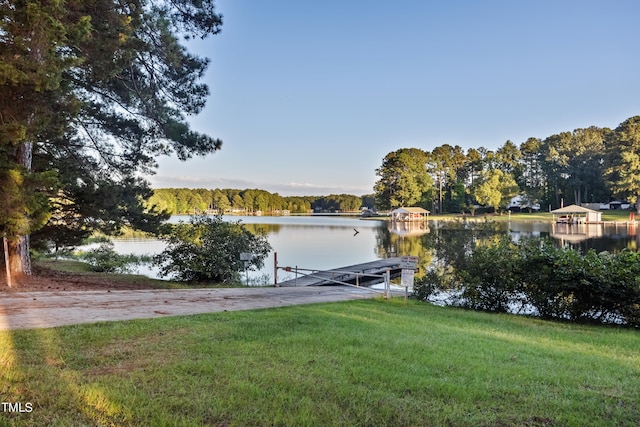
pixel 409 214
pixel 574 214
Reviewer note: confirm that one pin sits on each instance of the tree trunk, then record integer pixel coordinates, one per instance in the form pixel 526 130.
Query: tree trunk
pixel 440 196
pixel 19 256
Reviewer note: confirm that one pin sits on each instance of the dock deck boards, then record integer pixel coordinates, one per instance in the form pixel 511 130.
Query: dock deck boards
pixel 344 274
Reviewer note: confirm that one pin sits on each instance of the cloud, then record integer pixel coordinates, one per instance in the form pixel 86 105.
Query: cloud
pixel 168 181
pixel 284 189
pixel 298 188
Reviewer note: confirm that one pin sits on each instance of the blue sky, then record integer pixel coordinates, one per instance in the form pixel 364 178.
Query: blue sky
pixel 309 96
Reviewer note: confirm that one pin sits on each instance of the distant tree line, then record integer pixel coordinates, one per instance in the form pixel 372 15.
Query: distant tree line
pixel 586 165
pixel 185 200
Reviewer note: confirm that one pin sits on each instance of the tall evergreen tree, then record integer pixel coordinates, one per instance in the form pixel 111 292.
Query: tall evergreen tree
pixel 587 166
pixel 92 91
pixel 532 181
pixel 624 162
pixel 35 105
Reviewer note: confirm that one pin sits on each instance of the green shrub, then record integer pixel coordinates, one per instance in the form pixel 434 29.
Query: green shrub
pixel 208 249
pixel 104 259
pixel 491 278
pixel 536 276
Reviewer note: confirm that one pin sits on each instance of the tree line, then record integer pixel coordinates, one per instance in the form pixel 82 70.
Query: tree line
pixel 586 165
pixel 249 201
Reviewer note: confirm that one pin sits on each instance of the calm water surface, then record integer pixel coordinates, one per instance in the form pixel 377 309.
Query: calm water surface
pixel 325 242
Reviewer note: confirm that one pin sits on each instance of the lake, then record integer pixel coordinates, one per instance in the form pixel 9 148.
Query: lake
pixel 325 242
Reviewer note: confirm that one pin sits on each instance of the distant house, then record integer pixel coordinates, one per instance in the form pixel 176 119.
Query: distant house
pixel 367 213
pixel 409 214
pixel 613 205
pixel 616 204
pixel 518 203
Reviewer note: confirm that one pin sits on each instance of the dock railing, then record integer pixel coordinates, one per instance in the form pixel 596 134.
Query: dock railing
pixel 316 277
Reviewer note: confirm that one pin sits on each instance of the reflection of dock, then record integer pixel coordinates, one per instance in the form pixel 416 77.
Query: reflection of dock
pixel 413 228
pixel 576 233
pixel 353 274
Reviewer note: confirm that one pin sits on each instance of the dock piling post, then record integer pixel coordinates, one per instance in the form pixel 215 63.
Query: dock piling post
pixel 275 269
pixel 387 283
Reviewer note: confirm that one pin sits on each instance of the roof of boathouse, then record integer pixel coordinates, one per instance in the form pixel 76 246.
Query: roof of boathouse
pixel 411 210
pixel 572 209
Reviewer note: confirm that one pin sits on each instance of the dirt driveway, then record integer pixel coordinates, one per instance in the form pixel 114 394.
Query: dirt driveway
pixel 43 309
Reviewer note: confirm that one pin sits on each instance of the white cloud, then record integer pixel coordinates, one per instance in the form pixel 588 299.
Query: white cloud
pixel 288 189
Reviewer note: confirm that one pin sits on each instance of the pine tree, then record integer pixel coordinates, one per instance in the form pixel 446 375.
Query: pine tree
pixel 91 92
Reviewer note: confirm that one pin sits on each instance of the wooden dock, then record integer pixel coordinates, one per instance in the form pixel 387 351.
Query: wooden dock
pixel 359 274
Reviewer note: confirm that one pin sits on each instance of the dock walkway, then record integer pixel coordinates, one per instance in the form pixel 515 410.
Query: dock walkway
pixel 353 274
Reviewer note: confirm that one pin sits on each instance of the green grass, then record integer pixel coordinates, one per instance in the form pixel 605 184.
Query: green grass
pixel 368 362
pixel 612 215
pixel 82 271
pixel 617 215
pixel 502 217
pixel 62 265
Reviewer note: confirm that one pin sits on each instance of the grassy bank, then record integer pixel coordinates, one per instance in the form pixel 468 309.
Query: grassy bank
pixel 357 363
pixel 82 273
pixel 607 216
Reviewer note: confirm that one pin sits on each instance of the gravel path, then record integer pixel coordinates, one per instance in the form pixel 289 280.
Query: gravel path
pixel 44 309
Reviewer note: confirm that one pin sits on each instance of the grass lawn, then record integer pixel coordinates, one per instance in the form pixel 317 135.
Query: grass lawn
pixel 371 362
pixel 611 215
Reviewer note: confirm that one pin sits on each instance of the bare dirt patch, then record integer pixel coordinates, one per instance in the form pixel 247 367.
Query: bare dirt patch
pixel 46 279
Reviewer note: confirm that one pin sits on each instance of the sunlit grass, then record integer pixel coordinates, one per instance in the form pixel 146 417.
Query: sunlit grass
pixel 516 216
pixel 610 215
pixel 369 362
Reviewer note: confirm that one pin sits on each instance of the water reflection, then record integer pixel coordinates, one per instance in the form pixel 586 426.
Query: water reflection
pixel 452 241
pixel 612 237
pixel 332 242
pixel 575 233
pixel 401 239
pixel 417 228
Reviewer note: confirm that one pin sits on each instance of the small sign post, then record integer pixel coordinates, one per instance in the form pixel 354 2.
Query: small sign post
pixel 409 264
pixel 407 278
pixel 246 257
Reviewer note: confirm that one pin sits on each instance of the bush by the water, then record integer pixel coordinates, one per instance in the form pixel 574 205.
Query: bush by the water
pixel 104 259
pixel 208 249
pixel 534 276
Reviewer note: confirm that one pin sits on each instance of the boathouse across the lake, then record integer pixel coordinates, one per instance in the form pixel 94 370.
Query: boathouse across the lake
pixel 409 214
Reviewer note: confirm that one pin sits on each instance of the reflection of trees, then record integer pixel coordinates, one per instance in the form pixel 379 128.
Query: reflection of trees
pixel 613 244
pixel 447 243
pixel 452 241
pixel 263 228
pixel 390 244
